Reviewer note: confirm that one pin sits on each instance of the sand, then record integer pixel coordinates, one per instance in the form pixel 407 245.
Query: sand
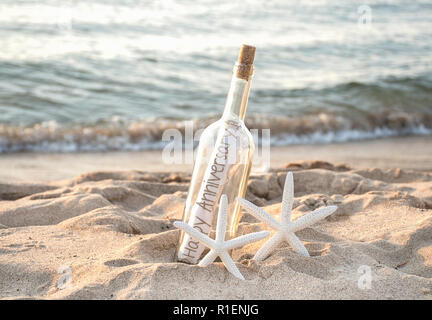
pixel 109 235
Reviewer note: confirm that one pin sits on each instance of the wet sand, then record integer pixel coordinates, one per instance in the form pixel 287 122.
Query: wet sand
pixel 414 153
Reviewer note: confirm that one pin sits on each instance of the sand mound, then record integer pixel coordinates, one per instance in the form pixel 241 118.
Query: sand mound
pixel 109 235
pixel 11 191
pixel 28 212
pixel 116 219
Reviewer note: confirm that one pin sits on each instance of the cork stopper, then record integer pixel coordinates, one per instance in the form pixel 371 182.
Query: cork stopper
pixel 245 62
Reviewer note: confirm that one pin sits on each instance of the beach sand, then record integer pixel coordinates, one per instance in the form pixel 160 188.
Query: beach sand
pixel 108 234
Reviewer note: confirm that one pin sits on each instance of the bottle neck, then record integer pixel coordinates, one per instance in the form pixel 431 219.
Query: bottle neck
pixel 237 98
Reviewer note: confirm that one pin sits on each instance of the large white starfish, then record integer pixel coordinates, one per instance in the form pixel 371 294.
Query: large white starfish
pixel 219 247
pixel 285 228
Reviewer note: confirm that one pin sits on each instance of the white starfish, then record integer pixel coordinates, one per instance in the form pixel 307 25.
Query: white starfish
pixel 285 228
pixel 219 247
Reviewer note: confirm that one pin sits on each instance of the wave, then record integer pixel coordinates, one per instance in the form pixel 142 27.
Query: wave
pixel 145 135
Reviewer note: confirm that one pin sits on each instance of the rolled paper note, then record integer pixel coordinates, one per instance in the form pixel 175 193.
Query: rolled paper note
pixel 224 156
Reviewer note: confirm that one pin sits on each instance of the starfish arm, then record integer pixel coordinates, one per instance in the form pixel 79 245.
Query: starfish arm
pixel 222 219
pixel 259 213
pixel 230 265
pixel 268 247
pixel 296 244
pixel 195 234
pixel 245 239
pixel 209 258
pixel 287 199
pixel 311 218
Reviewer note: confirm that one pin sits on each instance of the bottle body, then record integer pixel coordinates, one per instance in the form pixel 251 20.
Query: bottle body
pixel 222 166
pixel 214 175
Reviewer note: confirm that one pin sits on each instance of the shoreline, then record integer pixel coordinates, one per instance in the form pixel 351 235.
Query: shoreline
pixel 410 153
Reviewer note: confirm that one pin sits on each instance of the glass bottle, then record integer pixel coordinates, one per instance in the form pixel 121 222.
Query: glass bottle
pixel 222 166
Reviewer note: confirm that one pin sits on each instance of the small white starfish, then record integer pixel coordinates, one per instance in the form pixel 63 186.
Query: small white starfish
pixel 285 228
pixel 219 247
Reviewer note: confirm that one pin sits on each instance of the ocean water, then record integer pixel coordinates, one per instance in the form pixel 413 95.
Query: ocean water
pixel 114 74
